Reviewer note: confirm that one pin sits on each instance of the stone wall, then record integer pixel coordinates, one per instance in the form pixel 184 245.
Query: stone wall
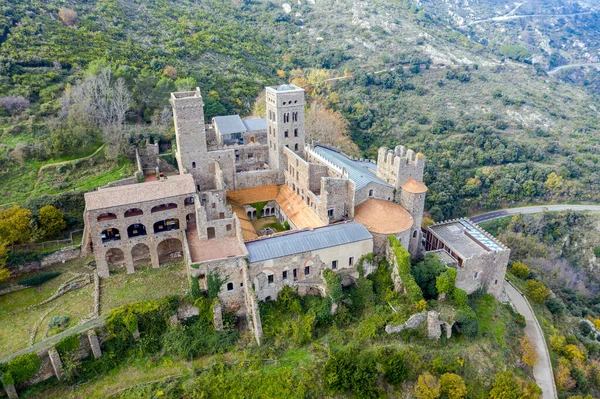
pixel 64 254
pixel 148 157
pixel 487 271
pixel 257 178
pixel 378 191
pixel 337 196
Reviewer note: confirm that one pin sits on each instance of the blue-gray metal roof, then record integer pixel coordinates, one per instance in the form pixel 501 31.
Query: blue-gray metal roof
pixel 229 124
pixel 307 240
pixel 357 172
pixel 255 124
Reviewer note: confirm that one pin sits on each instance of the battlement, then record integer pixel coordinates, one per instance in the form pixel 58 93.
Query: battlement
pixel 187 99
pixel 398 165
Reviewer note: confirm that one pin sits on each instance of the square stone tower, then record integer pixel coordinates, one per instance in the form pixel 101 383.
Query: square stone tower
pixel 190 133
pixel 285 122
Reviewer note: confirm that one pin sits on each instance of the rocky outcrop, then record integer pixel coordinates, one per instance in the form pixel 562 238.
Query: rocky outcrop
pixel 434 328
pixel 413 322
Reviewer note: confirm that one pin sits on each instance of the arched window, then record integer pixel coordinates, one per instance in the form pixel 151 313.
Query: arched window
pixel 296 132
pixel 110 235
pixel 106 216
pixel 163 207
pixel 370 193
pixel 295 116
pixel 136 230
pixel 194 165
pixel 189 201
pixel 415 234
pixel 229 286
pixel 166 225
pixel 296 147
pixel 133 212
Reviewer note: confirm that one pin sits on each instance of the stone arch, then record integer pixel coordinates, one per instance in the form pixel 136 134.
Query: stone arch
pixel 133 212
pixel 166 225
pixel 140 253
pixel 190 218
pixel 115 259
pixel 136 230
pixel 169 249
pixel 110 234
pixel 163 207
pixel 106 216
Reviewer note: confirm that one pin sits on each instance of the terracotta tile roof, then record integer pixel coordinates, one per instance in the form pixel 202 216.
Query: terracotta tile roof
pixel 415 187
pixel 383 217
pixel 248 231
pixel 300 214
pixel 253 195
pixel 141 192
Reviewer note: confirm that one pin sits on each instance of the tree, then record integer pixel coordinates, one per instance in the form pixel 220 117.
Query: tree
pixel 329 127
pixel 4 272
pixel 452 386
pixel 529 355
pixel 425 274
pixel 15 225
pixel 555 306
pixel 51 221
pixel 351 370
pixel 394 367
pixel 427 387
pixel 554 183
pixel 506 386
pixel 564 380
pixel 67 16
pixel 520 270
pixel 466 320
pixel 14 104
pixel 537 291
pixel 170 72
pixel 446 281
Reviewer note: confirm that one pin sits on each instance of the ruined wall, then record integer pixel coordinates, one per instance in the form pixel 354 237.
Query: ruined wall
pixel 258 178
pixel 148 157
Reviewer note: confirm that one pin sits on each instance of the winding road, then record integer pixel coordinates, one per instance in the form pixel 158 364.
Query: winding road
pixel 542 372
pixel 569 66
pixel 532 209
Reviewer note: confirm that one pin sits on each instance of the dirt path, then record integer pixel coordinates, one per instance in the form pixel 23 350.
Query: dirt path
pixel 542 372
pixel 508 17
pixel 48 165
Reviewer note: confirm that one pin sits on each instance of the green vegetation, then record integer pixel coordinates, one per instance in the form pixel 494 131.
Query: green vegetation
pixel 517 53
pixel 404 270
pixel 37 279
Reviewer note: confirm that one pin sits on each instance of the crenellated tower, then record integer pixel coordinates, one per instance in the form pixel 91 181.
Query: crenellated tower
pixel 285 122
pixel 398 166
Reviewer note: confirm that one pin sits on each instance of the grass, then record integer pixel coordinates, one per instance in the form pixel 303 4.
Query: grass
pixel 17 321
pixel 269 221
pixel 145 284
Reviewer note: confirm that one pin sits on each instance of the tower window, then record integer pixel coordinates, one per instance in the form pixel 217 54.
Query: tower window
pixel 296 147
pixel 229 286
pixel 415 234
pixel 296 132
pixel 285 134
pixel 370 193
pixel 295 116
pixel 194 165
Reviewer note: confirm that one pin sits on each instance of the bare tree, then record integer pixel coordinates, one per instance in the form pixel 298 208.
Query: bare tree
pixel 329 127
pixel 14 104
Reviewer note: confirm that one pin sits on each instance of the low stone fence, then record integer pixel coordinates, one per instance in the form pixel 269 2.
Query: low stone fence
pixel 60 256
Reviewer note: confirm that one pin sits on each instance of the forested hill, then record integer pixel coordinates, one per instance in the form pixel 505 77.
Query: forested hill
pixel 495 127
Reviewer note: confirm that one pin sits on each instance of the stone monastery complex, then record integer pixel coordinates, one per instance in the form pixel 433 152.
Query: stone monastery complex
pixel 257 204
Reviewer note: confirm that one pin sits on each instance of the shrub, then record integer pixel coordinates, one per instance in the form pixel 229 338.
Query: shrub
pixel 459 297
pixel 446 281
pixel 23 367
pixel 466 319
pixel 529 355
pixel 427 387
pixel 334 285
pixel 214 282
pixel 197 339
pixel 37 279
pixel 520 270
pixel 58 321
pixel 597 252
pixel 403 259
pixel 195 288
pixel 506 386
pixel 452 386
pixel 585 328
pixel 394 367
pixel 349 370
pixel 68 345
pixel 555 306
pixel 537 291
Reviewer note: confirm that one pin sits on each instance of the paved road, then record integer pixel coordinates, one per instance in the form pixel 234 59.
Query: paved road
pixel 532 209
pixel 542 372
pixel 560 68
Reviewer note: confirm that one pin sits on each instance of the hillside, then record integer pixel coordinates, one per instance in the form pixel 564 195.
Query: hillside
pixel 492 127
